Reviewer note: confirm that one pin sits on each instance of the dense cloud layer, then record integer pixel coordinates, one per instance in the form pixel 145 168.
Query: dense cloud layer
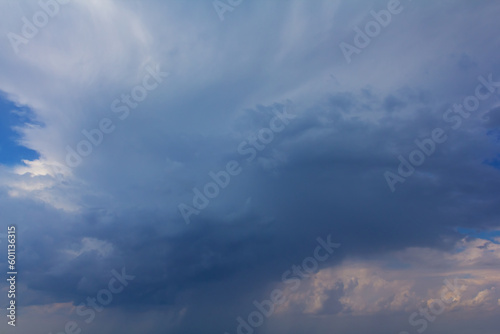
pixel 176 94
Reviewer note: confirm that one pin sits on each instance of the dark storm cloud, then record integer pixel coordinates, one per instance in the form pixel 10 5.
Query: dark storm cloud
pixel 322 175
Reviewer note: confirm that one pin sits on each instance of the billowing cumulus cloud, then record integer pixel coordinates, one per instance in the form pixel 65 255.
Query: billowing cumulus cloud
pixel 404 280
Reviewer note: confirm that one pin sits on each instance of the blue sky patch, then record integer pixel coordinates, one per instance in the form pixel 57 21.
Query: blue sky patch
pixel 11 153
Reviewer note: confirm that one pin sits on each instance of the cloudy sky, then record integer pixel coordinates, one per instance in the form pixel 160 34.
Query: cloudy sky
pixel 242 166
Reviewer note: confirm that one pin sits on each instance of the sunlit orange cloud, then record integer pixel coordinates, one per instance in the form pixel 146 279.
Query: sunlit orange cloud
pixel 54 308
pixel 403 281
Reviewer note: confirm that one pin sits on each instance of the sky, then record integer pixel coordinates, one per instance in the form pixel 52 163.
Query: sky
pixel 245 167
pixel 11 148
